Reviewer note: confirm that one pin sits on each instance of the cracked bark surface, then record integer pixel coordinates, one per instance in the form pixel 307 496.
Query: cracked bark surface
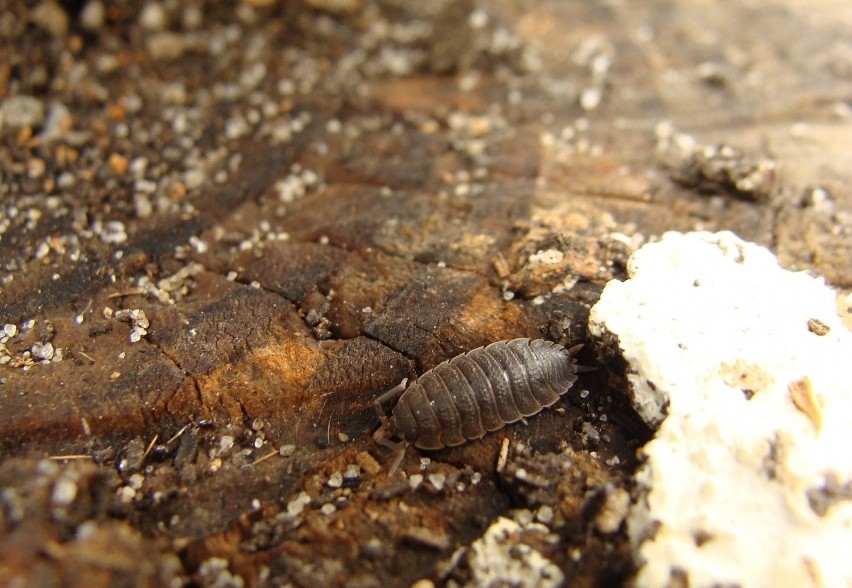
pixel 354 224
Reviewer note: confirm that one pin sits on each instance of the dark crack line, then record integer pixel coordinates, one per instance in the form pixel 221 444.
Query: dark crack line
pixel 431 335
pixel 195 384
pixel 242 406
pixel 402 352
pixel 424 264
pixel 377 247
pixel 392 295
pixel 260 286
pixel 300 310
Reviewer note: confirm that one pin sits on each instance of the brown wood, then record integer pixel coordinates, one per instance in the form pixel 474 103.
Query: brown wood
pixel 311 203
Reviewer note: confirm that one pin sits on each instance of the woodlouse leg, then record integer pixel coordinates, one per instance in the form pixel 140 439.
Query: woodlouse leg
pixel 381 438
pixel 379 402
pixel 383 433
pixel 398 459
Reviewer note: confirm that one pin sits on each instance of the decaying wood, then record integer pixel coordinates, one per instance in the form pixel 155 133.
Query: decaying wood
pixel 299 220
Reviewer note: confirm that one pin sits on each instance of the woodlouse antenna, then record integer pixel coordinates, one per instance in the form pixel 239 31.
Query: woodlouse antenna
pixel 394 393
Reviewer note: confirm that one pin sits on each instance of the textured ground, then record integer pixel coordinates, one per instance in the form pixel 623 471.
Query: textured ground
pixel 227 227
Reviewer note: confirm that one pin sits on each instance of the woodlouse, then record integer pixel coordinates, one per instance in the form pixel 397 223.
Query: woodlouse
pixel 476 392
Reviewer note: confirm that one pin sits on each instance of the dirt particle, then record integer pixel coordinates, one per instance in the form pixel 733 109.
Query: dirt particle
pixel 817 327
pixel 368 463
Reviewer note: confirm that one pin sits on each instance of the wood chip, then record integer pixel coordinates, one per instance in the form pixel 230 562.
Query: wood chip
pixel 427 538
pixel 804 399
pixel 504 455
pixel 817 327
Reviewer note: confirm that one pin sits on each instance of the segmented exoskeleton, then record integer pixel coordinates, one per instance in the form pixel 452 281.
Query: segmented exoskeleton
pixel 476 392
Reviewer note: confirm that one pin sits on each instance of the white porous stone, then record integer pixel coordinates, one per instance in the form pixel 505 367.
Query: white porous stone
pixel 748 480
pixel 547 257
pixel 498 558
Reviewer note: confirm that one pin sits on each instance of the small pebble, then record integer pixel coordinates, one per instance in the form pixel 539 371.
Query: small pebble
pixel 523 516
pixel 297 505
pixel 335 480
pixel 118 163
pixel 136 481
pixel 93 15
pixel 590 98
pixel 51 17
pixel 153 17
pixel 165 46
pixel 437 480
pixel 545 514
pixel 590 432
pixel 126 494
pixel 352 471
pixel 328 508
pixel 192 17
pixel 18 112
pixel 35 168
pixel 64 492
pixel 226 442
pixel 42 350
